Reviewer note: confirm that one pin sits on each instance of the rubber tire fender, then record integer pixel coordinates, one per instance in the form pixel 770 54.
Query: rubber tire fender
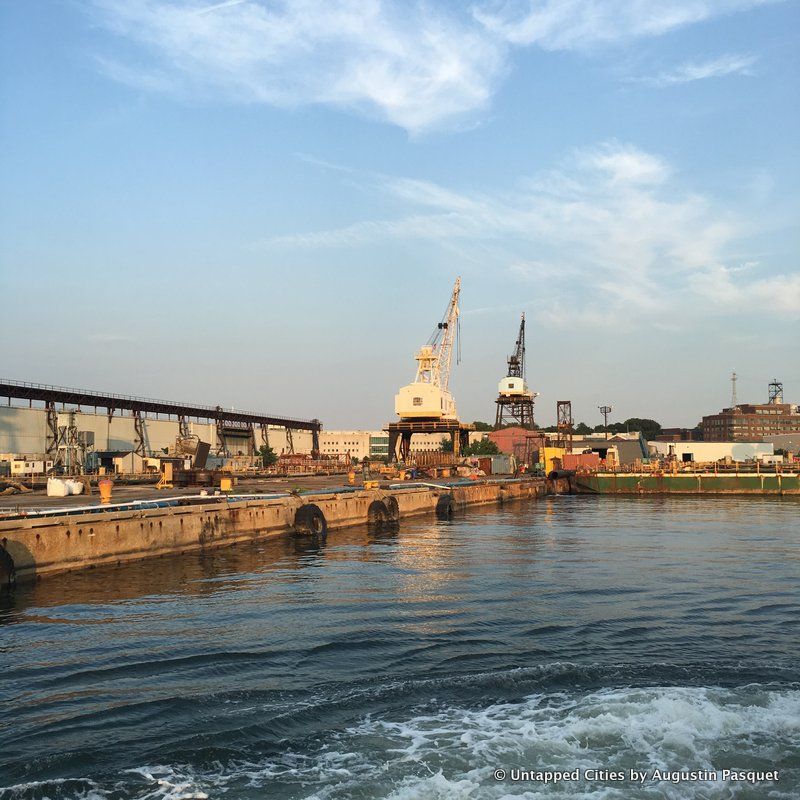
pixel 8 572
pixel 444 506
pixel 309 519
pixel 377 513
pixel 392 507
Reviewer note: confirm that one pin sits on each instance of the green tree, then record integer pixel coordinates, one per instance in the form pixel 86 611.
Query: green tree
pixel 482 426
pixel 582 429
pixel 483 447
pixel 268 456
pixel 648 427
pixel 447 444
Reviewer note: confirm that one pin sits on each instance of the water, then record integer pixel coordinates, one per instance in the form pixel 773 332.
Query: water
pixel 569 633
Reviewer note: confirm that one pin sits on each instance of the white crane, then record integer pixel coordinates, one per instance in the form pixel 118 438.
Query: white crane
pixel 428 397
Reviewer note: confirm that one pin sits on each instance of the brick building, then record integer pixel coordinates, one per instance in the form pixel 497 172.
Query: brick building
pixel 751 423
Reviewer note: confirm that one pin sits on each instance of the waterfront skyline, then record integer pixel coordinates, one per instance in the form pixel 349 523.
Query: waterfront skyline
pixel 266 209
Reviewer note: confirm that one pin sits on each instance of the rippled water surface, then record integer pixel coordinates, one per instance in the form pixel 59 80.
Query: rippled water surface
pixel 569 633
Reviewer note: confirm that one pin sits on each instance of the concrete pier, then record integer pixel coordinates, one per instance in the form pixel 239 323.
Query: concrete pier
pixel 33 546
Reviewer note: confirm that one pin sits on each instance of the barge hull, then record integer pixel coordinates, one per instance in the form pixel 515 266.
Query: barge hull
pixel 688 483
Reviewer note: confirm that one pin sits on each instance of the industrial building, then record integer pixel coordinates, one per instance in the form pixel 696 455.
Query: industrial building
pixel 25 431
pixel 374 444
pixel 749 422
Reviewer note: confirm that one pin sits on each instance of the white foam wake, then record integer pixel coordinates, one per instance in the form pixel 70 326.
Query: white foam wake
pixel 441 751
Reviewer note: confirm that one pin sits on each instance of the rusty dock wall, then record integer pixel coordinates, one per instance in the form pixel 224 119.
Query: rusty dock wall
pixel 35 546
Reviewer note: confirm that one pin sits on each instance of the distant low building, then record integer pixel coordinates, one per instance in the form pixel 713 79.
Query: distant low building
pixel 710 452
pixel 362 444
pixel 680 435
pixel 626 448
pixel 21 467
pixel 789 442
pixel 515 440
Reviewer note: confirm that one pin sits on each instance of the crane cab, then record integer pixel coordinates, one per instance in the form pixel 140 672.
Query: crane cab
pixel 424 401
pixel 512 387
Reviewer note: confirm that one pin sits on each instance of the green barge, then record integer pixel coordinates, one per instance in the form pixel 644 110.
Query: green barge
pixel 764 483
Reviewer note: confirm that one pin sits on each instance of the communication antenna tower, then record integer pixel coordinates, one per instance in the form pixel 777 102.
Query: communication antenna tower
pixel 734 401
pixel 775 392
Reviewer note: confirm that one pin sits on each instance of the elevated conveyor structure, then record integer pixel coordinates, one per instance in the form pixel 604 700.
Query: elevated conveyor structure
pixel 52 396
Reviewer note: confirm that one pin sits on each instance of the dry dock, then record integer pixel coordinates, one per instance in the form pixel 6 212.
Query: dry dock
pixel 46 541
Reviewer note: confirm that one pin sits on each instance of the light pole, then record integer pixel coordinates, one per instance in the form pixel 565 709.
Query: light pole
pixel 605 411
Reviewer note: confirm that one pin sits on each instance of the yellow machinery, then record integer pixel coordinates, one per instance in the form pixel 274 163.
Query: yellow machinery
pixel 165 481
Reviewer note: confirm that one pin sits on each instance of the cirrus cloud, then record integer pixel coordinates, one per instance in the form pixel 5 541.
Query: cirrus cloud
pixel 611 233
pixel 419 65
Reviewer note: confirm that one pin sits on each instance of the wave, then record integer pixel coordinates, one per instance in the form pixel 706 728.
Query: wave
pixel 444 749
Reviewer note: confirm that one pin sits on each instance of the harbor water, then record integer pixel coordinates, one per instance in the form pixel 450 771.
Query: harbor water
pixel 445 659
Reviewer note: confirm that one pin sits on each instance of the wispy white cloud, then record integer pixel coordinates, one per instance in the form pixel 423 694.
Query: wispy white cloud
pixel 625 164
pixel 412 65
pixel 702 70
pixel 583 24
pixel 727 291
pixel 611 229
pixel 417 66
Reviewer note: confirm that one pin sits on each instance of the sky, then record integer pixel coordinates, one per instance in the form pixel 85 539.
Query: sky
pixel 264 204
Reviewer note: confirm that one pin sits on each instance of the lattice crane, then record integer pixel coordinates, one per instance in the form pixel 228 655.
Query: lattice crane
pixel 428 396
pixel 514 399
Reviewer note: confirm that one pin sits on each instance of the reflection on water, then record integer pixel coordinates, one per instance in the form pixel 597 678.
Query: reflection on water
pixel 405 662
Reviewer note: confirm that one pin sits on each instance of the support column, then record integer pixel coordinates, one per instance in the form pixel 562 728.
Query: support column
pixel 393 436
pixel 289 441
pixel 183 426
pixel 52 433
pixel 251 442
pixel 222 445
pixel 405 446
pixel 463 440
pixel 140 441
pixel 315 443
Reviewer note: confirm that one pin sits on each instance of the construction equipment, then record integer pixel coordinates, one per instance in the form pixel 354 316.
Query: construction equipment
pixel 166 479
pixel 428 396
pixel 514 399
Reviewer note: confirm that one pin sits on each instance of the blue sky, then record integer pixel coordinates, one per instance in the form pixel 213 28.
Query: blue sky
pixel 265 204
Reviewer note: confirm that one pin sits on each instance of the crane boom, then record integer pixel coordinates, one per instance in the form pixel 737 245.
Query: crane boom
pixel 516 361
pixel 434 366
